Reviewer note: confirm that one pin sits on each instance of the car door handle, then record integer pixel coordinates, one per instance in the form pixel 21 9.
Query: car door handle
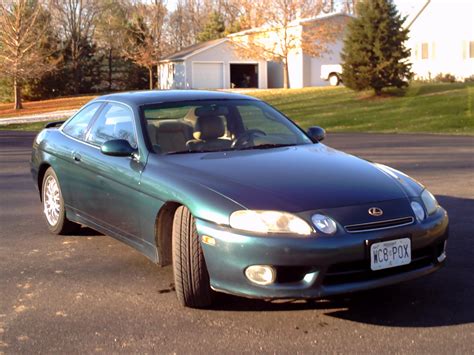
pixel 76 156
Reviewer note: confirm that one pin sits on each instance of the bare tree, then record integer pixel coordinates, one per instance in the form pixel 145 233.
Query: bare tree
pixel 349 6
pixel 179 34
pixel 190 17
pixel 245 12
pixel 187 21
pixel 76 21
pixel 284 32
pixel 22 57
pixel 145 40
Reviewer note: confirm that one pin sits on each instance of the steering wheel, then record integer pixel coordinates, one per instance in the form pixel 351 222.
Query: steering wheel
pixel 246 138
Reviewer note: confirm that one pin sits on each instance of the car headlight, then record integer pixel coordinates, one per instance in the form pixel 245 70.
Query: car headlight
pixel 324 224
pixel 269 222
pixel 418 210
pixel 429 201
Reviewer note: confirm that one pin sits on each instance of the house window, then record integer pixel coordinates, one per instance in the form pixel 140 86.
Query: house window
pixel 424 51
pixel 471 49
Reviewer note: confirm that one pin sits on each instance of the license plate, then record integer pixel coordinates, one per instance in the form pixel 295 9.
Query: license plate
pixel 389 254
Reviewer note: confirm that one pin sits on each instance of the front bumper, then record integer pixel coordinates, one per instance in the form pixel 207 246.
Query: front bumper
pixel 315 267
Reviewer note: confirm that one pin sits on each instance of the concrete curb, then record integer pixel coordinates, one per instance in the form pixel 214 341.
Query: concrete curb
pixel 41 117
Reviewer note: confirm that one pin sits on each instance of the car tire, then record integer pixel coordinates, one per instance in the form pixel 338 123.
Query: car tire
pixel 191 278
pixel 334 80
pixel 54 211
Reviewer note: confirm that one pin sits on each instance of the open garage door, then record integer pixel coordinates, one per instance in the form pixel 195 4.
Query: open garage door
pixel 208 75
pixel 243 75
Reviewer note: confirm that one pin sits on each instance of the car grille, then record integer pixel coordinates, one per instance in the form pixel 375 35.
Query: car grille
pixel 373 226
pixel 360 270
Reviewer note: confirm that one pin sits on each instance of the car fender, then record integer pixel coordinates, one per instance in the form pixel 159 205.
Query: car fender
pixel 163 185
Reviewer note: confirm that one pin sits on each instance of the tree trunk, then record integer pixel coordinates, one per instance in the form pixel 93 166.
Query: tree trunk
pixel 17 94
pixel 150 72
pixel 286 75
pixel 75 67
pixel 110 69
pixel 158 76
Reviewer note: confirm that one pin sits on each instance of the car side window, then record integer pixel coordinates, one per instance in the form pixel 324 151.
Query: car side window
pixel 77 126
pixel 114 122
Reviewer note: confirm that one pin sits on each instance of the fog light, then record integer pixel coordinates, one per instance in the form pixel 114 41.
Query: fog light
pixel 261 274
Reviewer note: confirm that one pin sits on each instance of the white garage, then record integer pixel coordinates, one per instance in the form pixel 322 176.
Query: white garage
pixel 211 65
pixel 207 75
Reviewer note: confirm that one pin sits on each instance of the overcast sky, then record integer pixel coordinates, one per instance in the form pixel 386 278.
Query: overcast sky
pixel 404 6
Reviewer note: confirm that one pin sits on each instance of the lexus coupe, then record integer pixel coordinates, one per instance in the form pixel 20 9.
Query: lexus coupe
pixel 235 196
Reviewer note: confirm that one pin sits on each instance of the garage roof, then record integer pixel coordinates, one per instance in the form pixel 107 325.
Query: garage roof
pixel 190 51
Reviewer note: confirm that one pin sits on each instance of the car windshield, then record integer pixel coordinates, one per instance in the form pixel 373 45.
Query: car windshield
pixel 218 125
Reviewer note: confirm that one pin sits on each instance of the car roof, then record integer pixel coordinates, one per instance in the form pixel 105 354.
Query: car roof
pixel 140 98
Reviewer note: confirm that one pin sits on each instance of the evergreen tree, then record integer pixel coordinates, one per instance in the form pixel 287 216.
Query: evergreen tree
pixel 374 55
pixel 214 28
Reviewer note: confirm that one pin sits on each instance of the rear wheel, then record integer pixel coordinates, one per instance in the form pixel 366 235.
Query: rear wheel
pixel 334 80
pixel 190 272
pixel 53 205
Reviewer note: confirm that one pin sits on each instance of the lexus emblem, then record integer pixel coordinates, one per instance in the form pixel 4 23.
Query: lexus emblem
pixel 375 211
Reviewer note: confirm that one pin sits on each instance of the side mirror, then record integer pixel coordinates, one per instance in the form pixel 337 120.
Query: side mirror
pixel 117 148
pixel 317 134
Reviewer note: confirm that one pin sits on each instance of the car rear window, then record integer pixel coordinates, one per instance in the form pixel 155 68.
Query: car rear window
pixel 77 126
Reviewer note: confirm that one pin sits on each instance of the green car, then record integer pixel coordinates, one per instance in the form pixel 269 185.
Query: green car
pixel 236 196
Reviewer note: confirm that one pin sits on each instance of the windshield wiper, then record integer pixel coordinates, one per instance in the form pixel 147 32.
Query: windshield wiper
pixel 197 151
pixel 260 146
pixel 267 146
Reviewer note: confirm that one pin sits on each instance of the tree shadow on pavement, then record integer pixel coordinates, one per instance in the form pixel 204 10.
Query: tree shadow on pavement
pixel 441 299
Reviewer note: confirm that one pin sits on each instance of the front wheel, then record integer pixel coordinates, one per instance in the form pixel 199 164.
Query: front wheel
pixel 191 278
pixel 334 80
pixel 53 205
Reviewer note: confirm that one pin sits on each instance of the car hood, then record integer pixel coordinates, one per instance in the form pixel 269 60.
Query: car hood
pixel 299 178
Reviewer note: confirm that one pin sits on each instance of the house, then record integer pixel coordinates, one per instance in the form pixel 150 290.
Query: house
pixel 218 64
pixel 441 42
pixel 303 69
pixel 211 65
pixel 442 39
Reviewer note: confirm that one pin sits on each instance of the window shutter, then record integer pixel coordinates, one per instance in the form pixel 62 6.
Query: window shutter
pixel 464 49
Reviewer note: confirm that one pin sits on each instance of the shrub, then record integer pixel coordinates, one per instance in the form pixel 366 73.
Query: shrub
pixel 469 79
pixel 444 78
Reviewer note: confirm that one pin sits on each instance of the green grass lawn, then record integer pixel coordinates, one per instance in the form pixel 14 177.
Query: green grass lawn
pixel 428 108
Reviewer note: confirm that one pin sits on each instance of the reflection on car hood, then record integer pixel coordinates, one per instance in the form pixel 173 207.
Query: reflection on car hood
pixel 299 178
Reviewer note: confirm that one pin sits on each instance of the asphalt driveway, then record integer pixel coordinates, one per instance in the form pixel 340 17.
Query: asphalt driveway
pixel 90 293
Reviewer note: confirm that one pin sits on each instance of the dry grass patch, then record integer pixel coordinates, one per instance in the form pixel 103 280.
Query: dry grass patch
pixel 37 107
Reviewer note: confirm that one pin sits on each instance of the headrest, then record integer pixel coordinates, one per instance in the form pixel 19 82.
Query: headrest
pixel 209 127
pixel 172 126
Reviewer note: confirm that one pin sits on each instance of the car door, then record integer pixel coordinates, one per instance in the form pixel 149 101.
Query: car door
pixel 67 168
pixel 111 197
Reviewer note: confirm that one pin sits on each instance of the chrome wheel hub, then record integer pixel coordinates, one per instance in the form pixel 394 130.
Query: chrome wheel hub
pixel 51 200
